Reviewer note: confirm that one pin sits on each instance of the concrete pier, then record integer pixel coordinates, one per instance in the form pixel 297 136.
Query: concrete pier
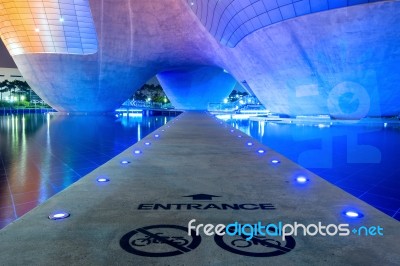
pixel 197 167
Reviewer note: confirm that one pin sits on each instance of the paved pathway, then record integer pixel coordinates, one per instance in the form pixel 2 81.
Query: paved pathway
pixel 196 169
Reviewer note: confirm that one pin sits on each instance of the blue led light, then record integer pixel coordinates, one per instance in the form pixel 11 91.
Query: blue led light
pixel 301 179
pixel 137 152
pixel 59 215
pixel 232 130
pixel 156 135
pixel 261 151
pixel 162 130
pixel 353 214
pixel 103 179
pixel 125 162
pixel 239 136
pixel 249 143
pixel 275 161
pixel 147 143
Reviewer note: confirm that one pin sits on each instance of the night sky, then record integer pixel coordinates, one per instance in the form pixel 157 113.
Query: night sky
pixel 5 58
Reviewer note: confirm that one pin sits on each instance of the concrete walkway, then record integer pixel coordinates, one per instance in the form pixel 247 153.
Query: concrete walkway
pixel 141 216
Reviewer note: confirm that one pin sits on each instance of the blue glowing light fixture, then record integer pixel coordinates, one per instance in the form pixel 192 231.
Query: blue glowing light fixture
pixel 102 179
pixel 274 161
pixel 239 136
pixel 261 151
pixel 353 214
pixel 147 143
pixel 232 130
pixel 162 130
pixel 156 136
pixel 301 179
pixel 59 215
pixel 125 162
pixel 249 143
pixel 137 151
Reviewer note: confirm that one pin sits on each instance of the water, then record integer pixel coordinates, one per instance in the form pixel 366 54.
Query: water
pixel 360 159
pixel 42 154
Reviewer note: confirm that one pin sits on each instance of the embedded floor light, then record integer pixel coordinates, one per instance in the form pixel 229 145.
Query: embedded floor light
pixel 232 130
pixel 137 152
pixel 156 135
pixel 275 161
pixel 59 215
pixel 353 214
pixel 239 136
pixel 125 162
pixel 301 179
pixel 162 130
pixel 102 179
pixel 249 143
pixel 147 143
pixel 261 151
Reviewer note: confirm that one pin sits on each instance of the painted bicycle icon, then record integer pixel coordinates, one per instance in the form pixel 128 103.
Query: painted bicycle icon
pixel 259 240
pixel 159 239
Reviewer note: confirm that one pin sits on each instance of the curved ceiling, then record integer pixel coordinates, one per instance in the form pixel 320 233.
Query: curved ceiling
pixel 229 21
pixel 51 26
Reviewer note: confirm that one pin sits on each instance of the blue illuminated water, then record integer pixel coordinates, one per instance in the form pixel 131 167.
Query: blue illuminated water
pixel 361 159
pixel 41 155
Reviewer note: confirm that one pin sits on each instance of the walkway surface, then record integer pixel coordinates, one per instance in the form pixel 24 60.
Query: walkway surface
pixel 197 168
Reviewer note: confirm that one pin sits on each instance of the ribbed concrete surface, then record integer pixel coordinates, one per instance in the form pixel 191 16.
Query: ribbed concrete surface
pixel 195 154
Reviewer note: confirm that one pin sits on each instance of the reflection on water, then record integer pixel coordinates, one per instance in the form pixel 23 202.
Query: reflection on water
pixel 360 159
pixel 41 155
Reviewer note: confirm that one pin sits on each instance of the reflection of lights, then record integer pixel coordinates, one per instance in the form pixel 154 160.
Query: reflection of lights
pixel 301 179
pixel 353 214
pixel 103 179
pixel 59 216
pixel 275 161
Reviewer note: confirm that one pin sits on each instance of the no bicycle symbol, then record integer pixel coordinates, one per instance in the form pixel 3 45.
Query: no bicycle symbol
pixel 258 246
pixel 173 240
pixel 160 241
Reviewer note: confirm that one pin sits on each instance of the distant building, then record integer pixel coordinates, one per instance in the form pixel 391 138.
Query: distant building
pixel 9 74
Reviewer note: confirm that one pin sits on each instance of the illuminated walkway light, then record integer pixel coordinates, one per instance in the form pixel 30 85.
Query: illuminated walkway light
pixel 103 179
pixel 59 215
pixel 147 143
pixel 353 214
pixel 125 162
pixel 261 151
pixel 156 136
pixel 275 161
pixel 301 179
pixel 137 152
pixel 249 143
